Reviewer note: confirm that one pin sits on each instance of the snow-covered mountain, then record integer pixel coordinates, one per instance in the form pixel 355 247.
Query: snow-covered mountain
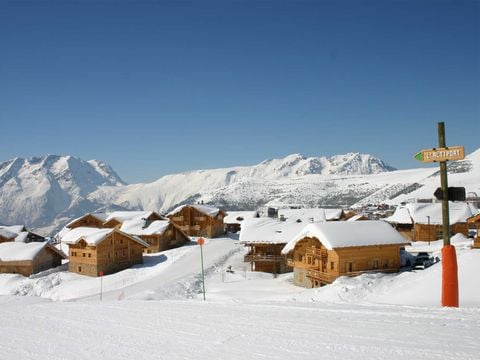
pixel 47 192
pixel 41 190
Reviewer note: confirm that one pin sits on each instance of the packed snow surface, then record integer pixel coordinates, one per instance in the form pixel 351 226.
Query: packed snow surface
pixel 156 310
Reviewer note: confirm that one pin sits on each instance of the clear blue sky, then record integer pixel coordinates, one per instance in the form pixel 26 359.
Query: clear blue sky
pixel 157 87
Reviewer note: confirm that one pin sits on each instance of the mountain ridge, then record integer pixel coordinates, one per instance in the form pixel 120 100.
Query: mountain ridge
pixel 46 192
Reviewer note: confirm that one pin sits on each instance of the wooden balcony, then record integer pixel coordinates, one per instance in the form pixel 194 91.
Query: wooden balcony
pixel 263 257
pixel 317 252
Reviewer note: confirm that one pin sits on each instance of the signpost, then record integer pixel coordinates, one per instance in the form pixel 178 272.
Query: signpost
pixel 200 242
pixel 442 154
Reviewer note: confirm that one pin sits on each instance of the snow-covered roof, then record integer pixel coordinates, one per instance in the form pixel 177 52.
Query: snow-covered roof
pixel 317 214
pixel 22 237
pixel 204 209
pixel 237 217
pixel 99 216
pixel 93 236
pixel 347 234
pixel 266 230
pixel 420 213
pixel 17 251
pixel 7 234
pixel 123 216
pixel 355 217
pixel 137 227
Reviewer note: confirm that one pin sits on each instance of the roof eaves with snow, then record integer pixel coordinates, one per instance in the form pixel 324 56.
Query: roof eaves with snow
pixel 345 234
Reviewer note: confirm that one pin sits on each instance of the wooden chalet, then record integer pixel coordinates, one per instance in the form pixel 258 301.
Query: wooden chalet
pixel 18 233
pixel 233 220
pixel 198 220
pixel 423 222
pixel 160 235
pixel 29 258
pixel 474 222
pixel 265 238
pixel 324 251
pixel 93 251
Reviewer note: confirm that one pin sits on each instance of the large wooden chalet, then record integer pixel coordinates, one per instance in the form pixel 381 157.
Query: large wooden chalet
pixel 324 251
pixel 423 222
pixel 198 220
pixel 265 238
pixel 159 234
pixel 94 251
pixel 28 258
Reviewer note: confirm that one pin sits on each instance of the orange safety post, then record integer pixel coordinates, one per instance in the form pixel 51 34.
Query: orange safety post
pixel 449 276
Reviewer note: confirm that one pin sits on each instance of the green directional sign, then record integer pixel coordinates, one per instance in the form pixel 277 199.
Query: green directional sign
pixel 419 156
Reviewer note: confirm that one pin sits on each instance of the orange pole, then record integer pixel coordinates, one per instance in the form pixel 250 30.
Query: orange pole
pixel 449 276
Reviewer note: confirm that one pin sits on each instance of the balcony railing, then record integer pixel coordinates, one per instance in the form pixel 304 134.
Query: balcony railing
pixel 316 252
pixel 263 257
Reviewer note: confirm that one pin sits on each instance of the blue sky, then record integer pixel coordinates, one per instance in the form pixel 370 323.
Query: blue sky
pixel 157 87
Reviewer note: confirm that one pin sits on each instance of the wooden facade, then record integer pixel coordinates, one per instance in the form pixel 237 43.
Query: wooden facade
pixel 170 238
pixel 48 257
pixel 267 257
pixel 474 223
pixel 193 222
pixel 428 232
pixel 314 265
pixel 117 251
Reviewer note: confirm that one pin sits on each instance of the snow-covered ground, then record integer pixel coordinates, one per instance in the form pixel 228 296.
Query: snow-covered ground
pixel 156 311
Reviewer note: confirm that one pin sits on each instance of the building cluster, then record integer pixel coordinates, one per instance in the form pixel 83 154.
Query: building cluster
pixel 318 245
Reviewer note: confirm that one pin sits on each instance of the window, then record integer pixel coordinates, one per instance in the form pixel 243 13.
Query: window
pixel 89 255
pixel 385 264
pixel 121 241
pixel 79 269
pixel 374 264
pixel 332 265
pixel 83 254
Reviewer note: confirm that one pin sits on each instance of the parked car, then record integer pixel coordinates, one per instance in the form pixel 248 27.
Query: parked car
pixel 423 260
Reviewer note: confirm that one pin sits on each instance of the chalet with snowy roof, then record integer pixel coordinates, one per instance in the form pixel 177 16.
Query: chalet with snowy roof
pixel 95 220
pixel 198 220
pixel 310 215
pixel 93 251
pixel 18 233
pixel 474 222
pixel 233 220
pixel 322 252
pixel 159 234
pixel 28 258
pixel 117 218
pixel 423 222
pixel 265 238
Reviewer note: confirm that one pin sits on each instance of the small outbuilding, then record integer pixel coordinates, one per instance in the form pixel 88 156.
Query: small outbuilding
pixel 28 258
pixel 93 251
pixel 322 252
pixel 233 220
pixel 198 220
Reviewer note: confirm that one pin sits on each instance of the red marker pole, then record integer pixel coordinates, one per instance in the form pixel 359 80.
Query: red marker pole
pixel 449 256
pixel 200 242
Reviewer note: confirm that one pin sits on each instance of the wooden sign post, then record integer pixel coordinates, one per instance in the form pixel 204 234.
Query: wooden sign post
pixel 200 242
pixel 449 256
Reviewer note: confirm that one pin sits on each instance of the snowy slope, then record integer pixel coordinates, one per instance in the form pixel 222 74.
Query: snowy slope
pixel 156 311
